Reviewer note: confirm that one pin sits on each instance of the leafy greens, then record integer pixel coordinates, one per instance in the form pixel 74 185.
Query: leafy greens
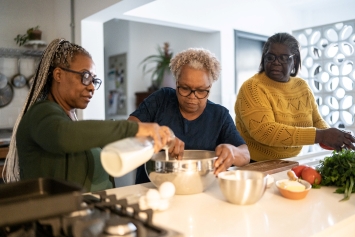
pixel 339 170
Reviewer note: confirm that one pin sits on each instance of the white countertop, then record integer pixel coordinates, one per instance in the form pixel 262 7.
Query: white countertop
pixel 209 214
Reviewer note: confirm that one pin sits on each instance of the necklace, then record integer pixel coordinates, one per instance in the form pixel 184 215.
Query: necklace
pixel 75 117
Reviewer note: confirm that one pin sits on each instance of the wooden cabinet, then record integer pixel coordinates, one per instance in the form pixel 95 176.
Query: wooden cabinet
pixel 140 96
pixel 3 153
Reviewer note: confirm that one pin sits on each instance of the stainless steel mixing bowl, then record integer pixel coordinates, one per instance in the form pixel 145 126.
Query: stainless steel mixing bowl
pixel 193 174
pixel 242 187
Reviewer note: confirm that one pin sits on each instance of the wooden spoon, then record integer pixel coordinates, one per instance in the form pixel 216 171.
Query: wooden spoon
pixel 292 176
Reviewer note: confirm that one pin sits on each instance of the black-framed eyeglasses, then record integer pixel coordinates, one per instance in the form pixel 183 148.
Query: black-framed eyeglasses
pixel 186 91
pixel 283 58
pixel 86 78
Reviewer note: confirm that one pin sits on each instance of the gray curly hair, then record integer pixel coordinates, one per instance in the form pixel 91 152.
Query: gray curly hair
pixel 197 58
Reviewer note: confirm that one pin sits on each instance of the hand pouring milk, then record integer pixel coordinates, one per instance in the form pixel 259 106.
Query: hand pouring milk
pixel 120 157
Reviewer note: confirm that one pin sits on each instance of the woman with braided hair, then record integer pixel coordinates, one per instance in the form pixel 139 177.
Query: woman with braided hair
pixel 49 141
pixel 197 123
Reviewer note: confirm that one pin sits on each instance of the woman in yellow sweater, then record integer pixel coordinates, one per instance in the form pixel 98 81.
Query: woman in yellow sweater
pixel 276 112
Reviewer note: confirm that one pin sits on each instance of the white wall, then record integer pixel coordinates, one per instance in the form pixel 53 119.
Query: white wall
pixel 15 18
pixel 179 40
pixel 228 70
pixel 326 13
pixel 86 8
pixel 96 107
pixel 116 41
pixel 140 40
pixel 53 18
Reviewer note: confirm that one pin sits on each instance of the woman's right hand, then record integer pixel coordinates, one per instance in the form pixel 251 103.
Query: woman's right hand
pixel 335 138
pixel 160 134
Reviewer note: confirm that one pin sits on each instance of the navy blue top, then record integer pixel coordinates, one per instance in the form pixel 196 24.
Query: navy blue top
pixel 213 127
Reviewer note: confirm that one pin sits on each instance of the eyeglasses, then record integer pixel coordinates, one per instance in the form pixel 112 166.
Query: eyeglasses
pixel 185 92
pixel 86 78
pixel 283 58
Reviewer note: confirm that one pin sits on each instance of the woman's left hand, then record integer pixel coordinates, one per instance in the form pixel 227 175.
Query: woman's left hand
pixel 177 149
pixel 335 138
pixel 229 155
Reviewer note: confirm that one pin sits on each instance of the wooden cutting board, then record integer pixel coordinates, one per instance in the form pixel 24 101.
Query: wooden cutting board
pixel 270 166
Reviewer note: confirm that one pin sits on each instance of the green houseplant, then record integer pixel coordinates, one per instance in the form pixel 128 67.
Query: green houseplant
pixel 33 33
pixel 161 60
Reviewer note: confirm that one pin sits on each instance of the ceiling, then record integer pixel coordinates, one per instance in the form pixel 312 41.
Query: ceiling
pixel 255 16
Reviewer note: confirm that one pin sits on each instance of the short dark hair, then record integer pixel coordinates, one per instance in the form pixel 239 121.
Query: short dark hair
pixel 290 42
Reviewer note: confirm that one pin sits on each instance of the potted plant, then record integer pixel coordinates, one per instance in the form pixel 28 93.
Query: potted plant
pixel 162 61
pixel 33 33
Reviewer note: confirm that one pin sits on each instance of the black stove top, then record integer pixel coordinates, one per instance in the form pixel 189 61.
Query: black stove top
pixel 99 215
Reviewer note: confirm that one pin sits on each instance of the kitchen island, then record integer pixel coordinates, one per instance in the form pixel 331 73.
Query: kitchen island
pixel 209 214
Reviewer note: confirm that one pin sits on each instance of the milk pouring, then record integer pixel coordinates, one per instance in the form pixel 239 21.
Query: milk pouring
pixel 121 157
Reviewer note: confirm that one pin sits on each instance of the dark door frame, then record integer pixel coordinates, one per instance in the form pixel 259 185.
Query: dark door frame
pixel 241 34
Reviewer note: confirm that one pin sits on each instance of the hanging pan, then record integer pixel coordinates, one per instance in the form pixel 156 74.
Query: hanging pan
pixel 19 80
pixel 6 95
pixel 3 81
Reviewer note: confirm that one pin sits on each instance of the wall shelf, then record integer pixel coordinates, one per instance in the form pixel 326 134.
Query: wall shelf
pixel 20 53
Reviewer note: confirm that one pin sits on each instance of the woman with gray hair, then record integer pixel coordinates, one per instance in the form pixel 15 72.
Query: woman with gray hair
pixel 276 112
pixel 47 139
pixel 197 123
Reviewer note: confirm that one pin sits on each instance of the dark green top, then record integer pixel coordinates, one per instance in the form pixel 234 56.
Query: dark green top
pixel 50 144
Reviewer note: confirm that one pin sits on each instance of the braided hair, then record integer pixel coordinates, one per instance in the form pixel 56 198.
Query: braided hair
pixel 58 53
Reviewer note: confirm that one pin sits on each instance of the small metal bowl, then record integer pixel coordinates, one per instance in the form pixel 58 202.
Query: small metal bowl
pixel 294 195
pixel 242 187
pixel 193 174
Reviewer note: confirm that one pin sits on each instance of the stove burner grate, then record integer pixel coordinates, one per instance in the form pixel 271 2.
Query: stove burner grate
pixel 100 215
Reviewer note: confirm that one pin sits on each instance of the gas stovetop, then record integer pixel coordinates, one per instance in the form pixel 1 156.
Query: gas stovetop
pixel 98 215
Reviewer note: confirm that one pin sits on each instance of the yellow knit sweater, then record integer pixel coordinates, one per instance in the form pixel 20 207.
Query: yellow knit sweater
pixel 276 119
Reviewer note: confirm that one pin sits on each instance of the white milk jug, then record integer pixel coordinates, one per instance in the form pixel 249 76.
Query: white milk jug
pixel 120 157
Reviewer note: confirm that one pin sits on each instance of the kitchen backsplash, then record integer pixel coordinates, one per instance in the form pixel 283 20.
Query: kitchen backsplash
pixel 9 67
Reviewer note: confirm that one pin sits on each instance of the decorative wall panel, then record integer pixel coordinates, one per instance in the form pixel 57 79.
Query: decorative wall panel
pixel 328 56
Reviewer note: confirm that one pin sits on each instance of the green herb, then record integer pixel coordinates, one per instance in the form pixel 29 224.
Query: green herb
pixel 339 170
pixel 316 186
pixel 22 39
